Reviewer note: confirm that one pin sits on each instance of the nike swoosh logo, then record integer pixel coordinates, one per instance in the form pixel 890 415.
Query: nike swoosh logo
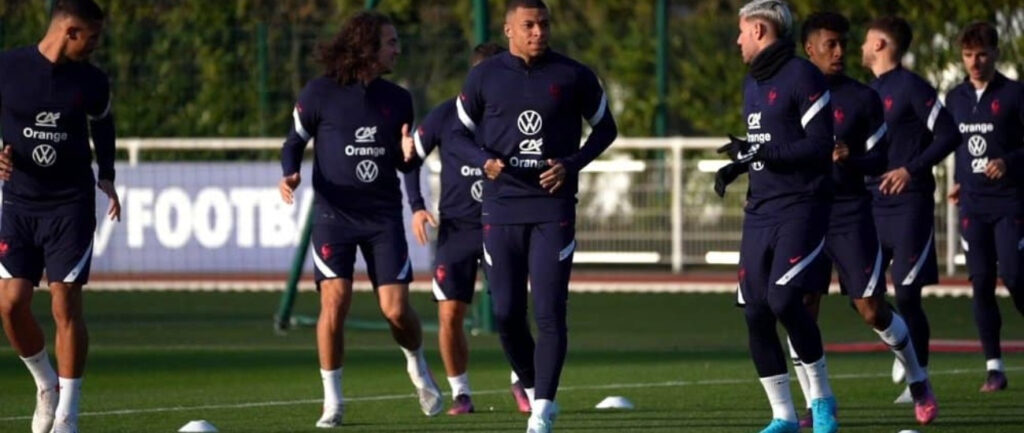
pixel 795 259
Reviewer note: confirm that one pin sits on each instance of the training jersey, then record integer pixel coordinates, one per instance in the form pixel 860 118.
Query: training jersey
pixel 992 126
pixel 859 122
pixel 921 134
pixel 789 126
pixel 461 182
pixel 524 115
pixel 47 111
pixel 358 132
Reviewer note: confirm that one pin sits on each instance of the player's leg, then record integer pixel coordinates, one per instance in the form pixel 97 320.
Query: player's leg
pixel 390 271
pixel 459 248
pixel 333 258
pixel 914 265
pixel 550 262
pixel 1008 238
pixel 505 264
pixel 67 251
pixel 797 245
pixel 819 285
pixel 765 348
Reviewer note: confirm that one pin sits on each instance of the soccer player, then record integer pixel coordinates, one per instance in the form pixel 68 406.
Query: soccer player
pixel 525 108
pixel 459 242
pixel 359 120
pixel 987 108
pixel 787 153
pixel 852 242
pixel 51 100
pixel 921 134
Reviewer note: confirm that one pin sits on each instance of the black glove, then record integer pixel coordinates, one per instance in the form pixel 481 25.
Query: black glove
pixel 739 150
pixel 726 175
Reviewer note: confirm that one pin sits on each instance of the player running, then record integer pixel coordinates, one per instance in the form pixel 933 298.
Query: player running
pixel 51 101
pixel 852 242
pixel 525 108
pixel 988 109
pixel 787 153
pixel 921 134
pixel 459 242
pixel 359 120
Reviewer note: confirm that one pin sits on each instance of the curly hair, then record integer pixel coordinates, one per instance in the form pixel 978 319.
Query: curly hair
pixel 352 53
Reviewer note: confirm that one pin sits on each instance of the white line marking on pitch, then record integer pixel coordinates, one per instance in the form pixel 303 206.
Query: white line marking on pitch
pixel 673 383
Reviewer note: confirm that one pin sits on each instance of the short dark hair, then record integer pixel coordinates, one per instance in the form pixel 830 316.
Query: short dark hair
pixel 830 21
pixel 897 29
pixel 485 50
pixel 86 10
pixel 512 5
pixel 979 34
pixel 353 51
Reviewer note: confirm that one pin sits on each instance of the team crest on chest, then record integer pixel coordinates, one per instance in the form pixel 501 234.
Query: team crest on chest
pixel 994 107
pixel 888 103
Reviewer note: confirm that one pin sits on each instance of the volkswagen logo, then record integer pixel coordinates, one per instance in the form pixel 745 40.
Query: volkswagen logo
pixel 477 190
pixel 530 122
pixel 976 145
pixel 44 155
pixel 757 165
pixel 366 171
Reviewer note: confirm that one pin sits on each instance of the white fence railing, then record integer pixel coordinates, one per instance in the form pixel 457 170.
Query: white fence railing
pixel 645 201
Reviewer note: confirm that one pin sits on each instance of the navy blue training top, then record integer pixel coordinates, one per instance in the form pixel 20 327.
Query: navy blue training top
pixel 461 182
pixel 358 132
pixel 524 115
pixel 921 134
pixel 47 111
pixel 992 127
pixel 859 122
pixel 788 118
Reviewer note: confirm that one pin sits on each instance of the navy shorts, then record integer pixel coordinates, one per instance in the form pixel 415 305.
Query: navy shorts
pixel 383 247
pixel 782 254
pixel 62 244
pixel 459 250
pixel 993 243
pixel 908 242
pixel 855 252
pixel 542 252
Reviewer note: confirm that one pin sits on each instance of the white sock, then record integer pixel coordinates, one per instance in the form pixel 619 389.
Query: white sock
pixel 513 377
pixel 42 371
pixel 897 337
pixel 529 394
pixel 801 374
pixel 67 405
pixel 416 365
pixel 817 376
pixel 542 408
pixel 332 388
pixel 777 388
pixel 459 384
pixel 994 364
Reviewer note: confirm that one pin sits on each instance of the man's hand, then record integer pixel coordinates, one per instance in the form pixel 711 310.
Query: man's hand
pixel 894 181
pixel 739 150
pixel 287 187
pixel 726 175
pixel 408 144
pixel 420 219
pixel 114 209
pixel 995 169
pixel 841 152
pixel 954 194
pixel 493 167
pixel 6 162
pixel 553 178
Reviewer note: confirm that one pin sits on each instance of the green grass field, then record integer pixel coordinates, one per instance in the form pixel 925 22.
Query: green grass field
pixel 159 360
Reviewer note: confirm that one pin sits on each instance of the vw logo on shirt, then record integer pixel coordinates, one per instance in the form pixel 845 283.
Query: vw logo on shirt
pixel 44 155
pixel 367 171
pixel 529 122
pixel 977 145
pixel 477 190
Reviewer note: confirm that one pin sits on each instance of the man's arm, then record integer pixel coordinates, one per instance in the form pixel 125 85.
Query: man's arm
pixel 101 128
pixel 876 147
pixel 815 105
pixel 469 106
pixel 305 120
pixel 594 104
pixel 945 137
